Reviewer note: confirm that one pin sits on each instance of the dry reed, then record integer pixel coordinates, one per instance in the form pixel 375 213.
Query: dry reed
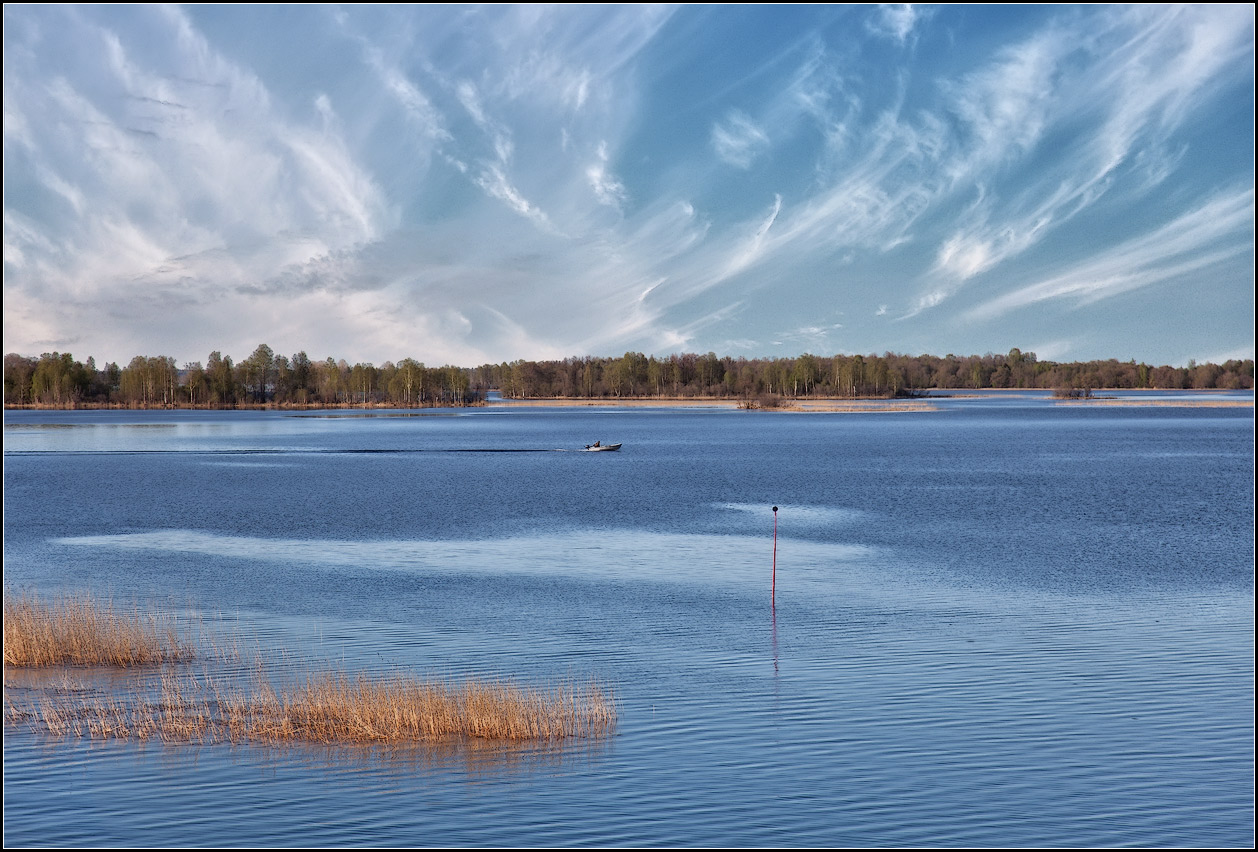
pixel 83 631
pixel 329 708
pixel 180 705
pixel 337 708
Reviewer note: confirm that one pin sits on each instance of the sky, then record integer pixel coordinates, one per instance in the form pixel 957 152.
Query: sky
pixel 466 184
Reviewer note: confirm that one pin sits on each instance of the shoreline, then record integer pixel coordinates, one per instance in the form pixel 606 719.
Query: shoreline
pixel 810 405
pixel 1167 403
pixel 842 405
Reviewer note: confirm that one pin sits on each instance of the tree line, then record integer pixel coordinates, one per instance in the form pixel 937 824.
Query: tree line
pixel 263 379
pixel 846 376
pixel 269 379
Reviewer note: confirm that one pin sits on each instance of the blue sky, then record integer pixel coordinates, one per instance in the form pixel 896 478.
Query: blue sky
pixel 465 184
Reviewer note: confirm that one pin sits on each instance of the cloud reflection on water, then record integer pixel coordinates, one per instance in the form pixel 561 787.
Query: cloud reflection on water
pixel 613 554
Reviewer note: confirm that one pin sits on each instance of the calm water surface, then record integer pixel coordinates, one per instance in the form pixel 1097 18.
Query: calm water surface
pixel 1003 622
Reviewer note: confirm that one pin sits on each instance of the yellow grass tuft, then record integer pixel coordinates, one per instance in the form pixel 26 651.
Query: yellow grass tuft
pixel 179 705
pixel 328 708
pixel 338 708
pixel 83 631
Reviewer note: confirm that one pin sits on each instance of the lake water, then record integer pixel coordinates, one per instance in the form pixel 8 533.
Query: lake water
pixel 1004 622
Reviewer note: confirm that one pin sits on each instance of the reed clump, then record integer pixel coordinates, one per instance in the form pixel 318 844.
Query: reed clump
pixel 178 704
pixel 330 708
pixel 339 708
pixel 84 631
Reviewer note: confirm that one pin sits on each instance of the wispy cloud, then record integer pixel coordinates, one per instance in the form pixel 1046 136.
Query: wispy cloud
pixel 1039 89
pixel 209 194
pixel 494 181
pixel 607 189
pixel 480 183
pixel 738 141
pixel 1219 229
pixel 753 247
pixel 894 20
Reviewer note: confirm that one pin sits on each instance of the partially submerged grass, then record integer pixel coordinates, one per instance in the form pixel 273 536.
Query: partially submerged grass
pixel 327 708
pixel 83 631
pixel 180 705
pixel 335 707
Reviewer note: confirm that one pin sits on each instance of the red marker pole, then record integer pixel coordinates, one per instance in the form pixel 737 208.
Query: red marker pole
pixel 773 600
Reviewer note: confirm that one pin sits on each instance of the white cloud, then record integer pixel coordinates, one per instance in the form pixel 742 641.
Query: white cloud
pixel 418 108
pixel 497 185
pixel 498 182
pixel 176 182
pixel 607 189
pixel 894 20
pixel 1138 90
pixel 1004 107
pixel 1220 357
pixel 738 141
pixel 1052 350
pixel 471 102
pixel 749 251
pixel 1218 229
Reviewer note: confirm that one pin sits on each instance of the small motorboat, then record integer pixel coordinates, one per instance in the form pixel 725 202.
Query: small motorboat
pixel 598 447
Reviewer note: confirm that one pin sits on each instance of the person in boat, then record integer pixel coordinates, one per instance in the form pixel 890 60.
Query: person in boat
pixel 596 443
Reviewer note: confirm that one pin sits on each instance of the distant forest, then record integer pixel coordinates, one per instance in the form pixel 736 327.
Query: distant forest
pixel 57 380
